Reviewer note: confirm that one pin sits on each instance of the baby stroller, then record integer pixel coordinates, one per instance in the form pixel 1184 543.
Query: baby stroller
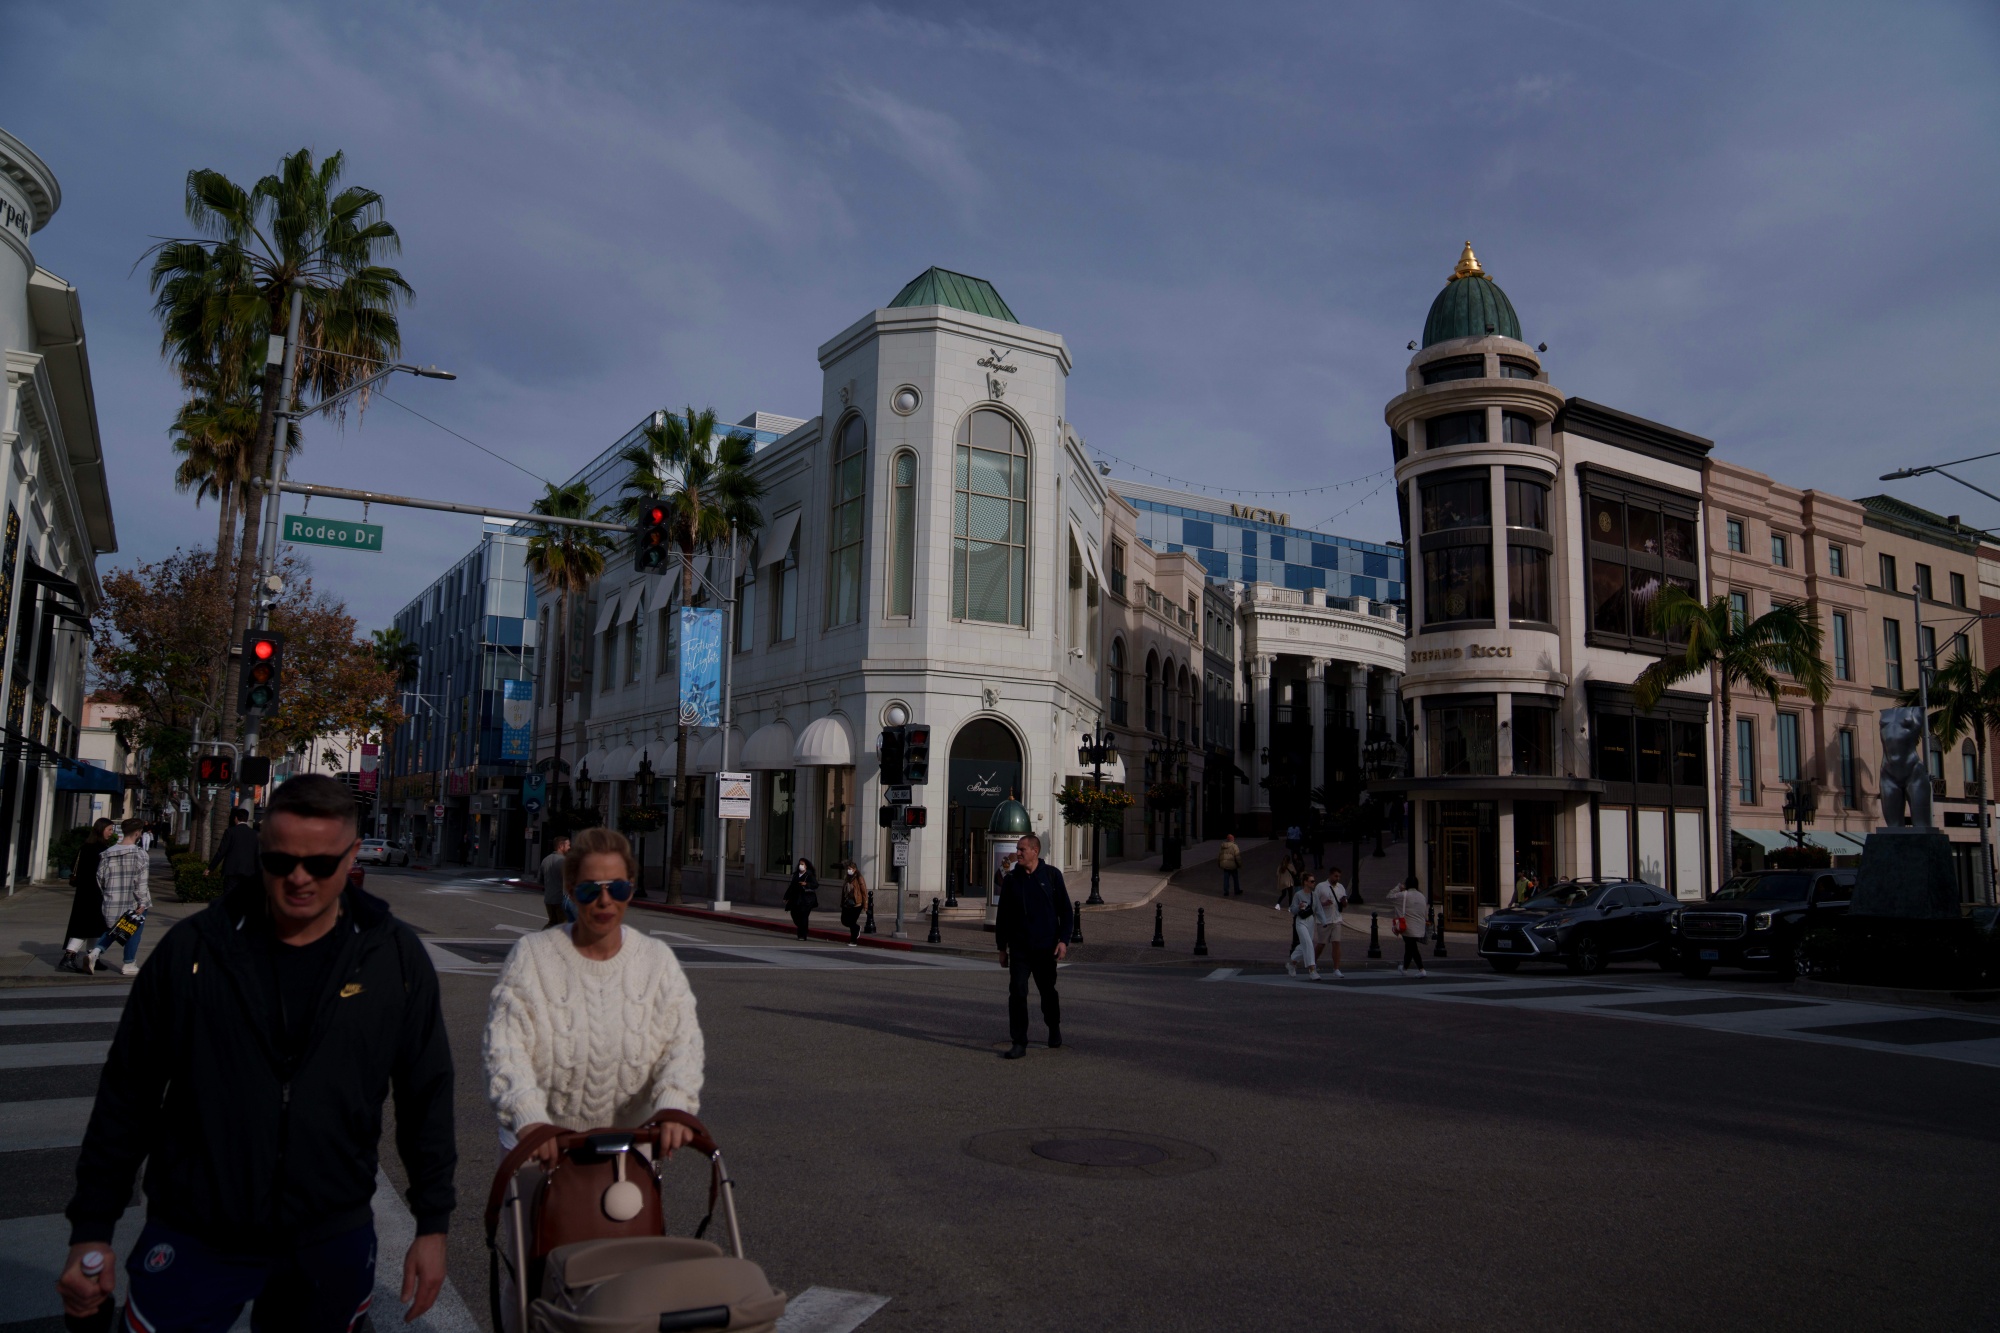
pixel 580 1246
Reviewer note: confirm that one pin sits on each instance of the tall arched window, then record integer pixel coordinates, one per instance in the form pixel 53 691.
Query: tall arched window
pixel 1185 710
pixel 1168 706
pixel 989 559
pixel 903 534
pixel 1152 692
pixel 1117 682
pixel 850 463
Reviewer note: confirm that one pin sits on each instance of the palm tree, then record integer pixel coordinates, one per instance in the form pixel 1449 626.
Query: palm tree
pixel 214 438
pixel 707 489
pixel 1964 701
pixel 569 560
pixel 220 295
pixel 398 655
pixel 1784 641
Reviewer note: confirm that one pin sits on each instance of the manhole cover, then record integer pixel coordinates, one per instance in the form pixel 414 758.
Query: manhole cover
pixel 1098 1152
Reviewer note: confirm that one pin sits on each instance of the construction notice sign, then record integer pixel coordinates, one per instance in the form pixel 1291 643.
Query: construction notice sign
pixel 733 795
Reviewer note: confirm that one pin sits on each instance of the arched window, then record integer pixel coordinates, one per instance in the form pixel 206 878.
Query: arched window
pixel 903 534
pixel 1117 682
pixel 850 463
pixel 989 558
pixel 1168 706
pixel 1152 691
pixel 1186 700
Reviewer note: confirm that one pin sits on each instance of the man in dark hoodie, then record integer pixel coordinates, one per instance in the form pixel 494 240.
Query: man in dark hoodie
pixel 249 1072
pixel 236 855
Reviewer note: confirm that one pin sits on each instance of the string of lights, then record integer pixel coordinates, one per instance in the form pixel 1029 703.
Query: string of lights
pixel 1210 489
pixel 1356 505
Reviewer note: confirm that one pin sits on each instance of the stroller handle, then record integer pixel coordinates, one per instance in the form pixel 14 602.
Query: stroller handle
pixel 567 1139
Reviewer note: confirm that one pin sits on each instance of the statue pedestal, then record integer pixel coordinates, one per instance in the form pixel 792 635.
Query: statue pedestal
pixel 1907 873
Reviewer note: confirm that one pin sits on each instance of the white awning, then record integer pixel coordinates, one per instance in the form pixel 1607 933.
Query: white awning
pixel 771 547
pixel 708 758
pixel 825 743
pixel 661 753
pixel 619 765
pixel 607 613
pixel 1769 839
pixel 1089 554
pixel 592 760
pixel 637 599
pixel 770 746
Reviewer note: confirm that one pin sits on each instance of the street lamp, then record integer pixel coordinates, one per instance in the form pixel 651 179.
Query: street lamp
pixel 1172 758
pixel 583 785
pixel 1095 752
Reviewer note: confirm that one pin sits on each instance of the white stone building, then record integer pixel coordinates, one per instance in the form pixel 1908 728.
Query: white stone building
pixel 56 522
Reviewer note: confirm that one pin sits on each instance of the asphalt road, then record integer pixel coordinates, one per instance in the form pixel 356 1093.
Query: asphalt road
pixel 1322 1158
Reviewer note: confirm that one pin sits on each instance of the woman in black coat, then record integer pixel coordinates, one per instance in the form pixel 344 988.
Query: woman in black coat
pixel 802 895
pixel 86 908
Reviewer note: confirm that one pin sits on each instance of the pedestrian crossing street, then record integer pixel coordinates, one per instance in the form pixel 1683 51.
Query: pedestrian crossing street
pixel 483 956
pixel 53 1043
pixel 1934 1033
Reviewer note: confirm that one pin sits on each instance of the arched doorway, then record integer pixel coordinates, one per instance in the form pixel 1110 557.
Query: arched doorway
pixel 985 770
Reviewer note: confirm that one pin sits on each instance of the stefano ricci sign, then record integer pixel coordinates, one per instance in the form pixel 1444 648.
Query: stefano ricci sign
pixel 1423 655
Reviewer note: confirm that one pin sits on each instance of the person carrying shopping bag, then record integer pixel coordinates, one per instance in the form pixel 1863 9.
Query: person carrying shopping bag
pixel 121 876
pixel 853 898
pixel 1305 949
pixel 802 895
pixel 1229 860
pixel 1413 919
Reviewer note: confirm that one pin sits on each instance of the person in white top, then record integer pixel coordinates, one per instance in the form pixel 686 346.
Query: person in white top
pixel 1328 899
pixel 1413 910
pixel 1306 950
pixel 592 1025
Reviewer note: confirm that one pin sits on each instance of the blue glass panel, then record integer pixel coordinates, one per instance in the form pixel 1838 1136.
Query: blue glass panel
pixel 504 631
pixel 1215 562
pixel 1304 577
pixel 1376 566
pixel 1277 548
pixel 1326 557
pixel 1173 548
pixel 1363 587
pixel 1395 593
pixel 1249 542
pixel 1249 565
pixel 1197 534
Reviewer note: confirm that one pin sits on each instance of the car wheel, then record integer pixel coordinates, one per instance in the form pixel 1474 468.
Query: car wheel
pixel 1695 971
pixel 1505 964
pixel 1796 961
pixel 1586 955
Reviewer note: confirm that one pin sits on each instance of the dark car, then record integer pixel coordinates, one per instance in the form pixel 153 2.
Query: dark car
pixel 1760 921
pixel 1585 923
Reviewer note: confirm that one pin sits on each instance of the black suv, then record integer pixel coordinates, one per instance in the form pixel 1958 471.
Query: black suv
pixel 1584 923
pixel 1760 921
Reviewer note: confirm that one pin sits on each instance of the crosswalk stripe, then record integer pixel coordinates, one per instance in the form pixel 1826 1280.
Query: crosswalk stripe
pixel 56 1122
pixel 828 1310
pixel 49 1054
pixel 28 1018
pixel 81 990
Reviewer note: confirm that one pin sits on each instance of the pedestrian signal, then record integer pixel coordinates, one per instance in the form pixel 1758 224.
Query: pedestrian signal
pixel 263 671
pixel 654 545
pixel 916 755
pixel 214 770
pixel 915 816
pixel 890 749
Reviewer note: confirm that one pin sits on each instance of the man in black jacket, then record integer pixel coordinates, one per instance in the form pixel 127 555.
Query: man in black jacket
pixel 236 855
pixel 249 1072
pixel 1033 934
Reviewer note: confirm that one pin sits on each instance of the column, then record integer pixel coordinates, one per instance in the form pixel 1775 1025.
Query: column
pixel 1357 703
pixel 1260 712
pixel 1316 706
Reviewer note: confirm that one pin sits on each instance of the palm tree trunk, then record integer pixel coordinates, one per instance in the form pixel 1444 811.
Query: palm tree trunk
pixel 225 523
pixel 561 683
pixel 677 853
pixel 1722 790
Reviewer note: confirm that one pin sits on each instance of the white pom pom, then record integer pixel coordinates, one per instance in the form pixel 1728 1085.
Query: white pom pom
pixel 623 1201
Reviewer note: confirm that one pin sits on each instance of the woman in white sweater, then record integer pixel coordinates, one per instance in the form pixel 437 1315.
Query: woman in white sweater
pixel 592 1025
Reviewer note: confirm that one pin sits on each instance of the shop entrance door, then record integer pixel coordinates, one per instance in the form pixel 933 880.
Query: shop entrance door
pixel 1460 877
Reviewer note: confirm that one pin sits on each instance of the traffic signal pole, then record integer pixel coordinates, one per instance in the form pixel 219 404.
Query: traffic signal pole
pixel 267 540
pixel 728 662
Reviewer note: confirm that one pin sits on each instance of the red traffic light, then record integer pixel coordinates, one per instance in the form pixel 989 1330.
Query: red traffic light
pixel 263 648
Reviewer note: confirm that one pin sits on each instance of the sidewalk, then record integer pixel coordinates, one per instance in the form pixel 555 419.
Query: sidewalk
pixel 33 919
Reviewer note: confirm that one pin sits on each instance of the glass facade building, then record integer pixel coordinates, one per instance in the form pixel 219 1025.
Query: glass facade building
pixel 1234 541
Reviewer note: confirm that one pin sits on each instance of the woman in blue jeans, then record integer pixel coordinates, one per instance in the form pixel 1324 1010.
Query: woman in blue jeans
pixel 121 876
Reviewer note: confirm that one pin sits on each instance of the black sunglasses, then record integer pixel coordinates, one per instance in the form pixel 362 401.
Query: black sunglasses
pixel 281 864
pixel 588 889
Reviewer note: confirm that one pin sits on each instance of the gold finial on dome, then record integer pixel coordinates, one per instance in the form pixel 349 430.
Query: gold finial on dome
pixel 1468 266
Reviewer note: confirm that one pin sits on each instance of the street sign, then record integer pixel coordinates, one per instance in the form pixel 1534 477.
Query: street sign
pixel 437 812
pixel 733 795
pixel 902 851
pixel 333 532
pixel 185 807
pixel 532 804
pixel 896 795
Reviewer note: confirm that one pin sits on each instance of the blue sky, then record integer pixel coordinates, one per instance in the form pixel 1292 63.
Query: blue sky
pixel 1773 225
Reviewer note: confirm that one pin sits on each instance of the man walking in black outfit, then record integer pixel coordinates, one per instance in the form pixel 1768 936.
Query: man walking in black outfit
pixel 236 855
pixel 249 1073
pixel 1033 934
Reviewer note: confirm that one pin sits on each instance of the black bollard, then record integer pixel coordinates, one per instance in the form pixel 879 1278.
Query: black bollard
pixel 1374 935
pixel 868 926
pixel 1159 926
pixel 1437 950
pixel 951 888
pixel 1076 923
pixel 1201 932
pixel 935 937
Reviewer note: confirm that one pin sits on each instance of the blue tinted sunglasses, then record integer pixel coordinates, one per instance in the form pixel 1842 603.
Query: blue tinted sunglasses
pixel 587 890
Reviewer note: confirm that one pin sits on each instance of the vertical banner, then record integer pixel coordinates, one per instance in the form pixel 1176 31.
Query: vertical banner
pixel 370 775
pixel 517 715
pixel 701 666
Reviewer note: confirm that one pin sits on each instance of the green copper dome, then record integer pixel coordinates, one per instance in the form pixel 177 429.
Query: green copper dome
pixel 1010 819
pixel 940 286
pixel 1470 306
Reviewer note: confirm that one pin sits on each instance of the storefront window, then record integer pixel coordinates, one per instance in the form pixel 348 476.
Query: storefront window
pixel 1457 548
pixel 777 803
pixel 1534 738
pixel 1461 738
pixel 1640 543
pixel 836 818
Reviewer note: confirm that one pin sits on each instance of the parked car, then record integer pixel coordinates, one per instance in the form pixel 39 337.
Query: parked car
pixel 1760 921
pixel 382 852
pixel 1583 923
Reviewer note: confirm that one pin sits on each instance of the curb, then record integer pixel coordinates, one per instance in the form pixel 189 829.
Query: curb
pixel 1976 1001
pixel 786 927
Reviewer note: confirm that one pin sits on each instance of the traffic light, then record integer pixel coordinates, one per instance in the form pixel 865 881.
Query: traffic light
pixel 891 752
pixel 915 816
pixel 263 671
pixel 886 815
pixel 214 770
pixel 903 816
pixel 916 756
pixel 654 546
